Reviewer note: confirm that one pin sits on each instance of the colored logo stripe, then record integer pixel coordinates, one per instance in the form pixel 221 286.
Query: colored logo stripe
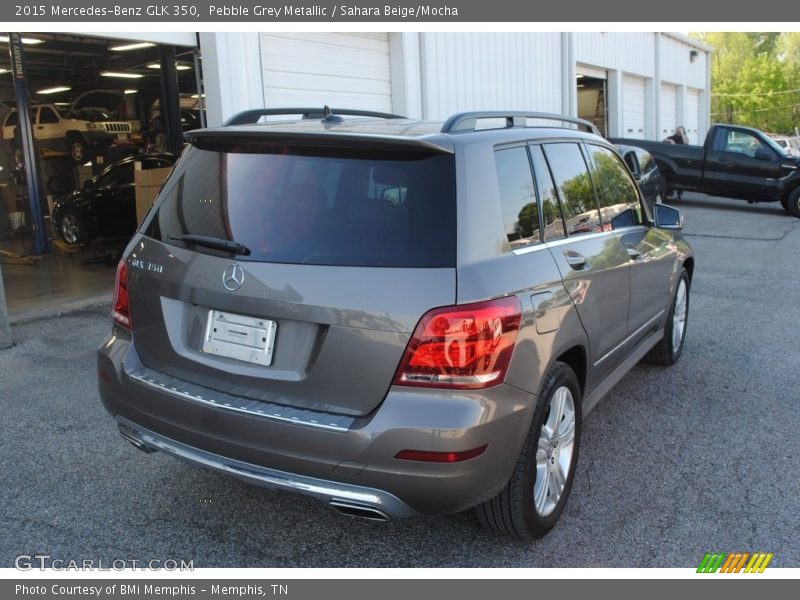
pixel 734 562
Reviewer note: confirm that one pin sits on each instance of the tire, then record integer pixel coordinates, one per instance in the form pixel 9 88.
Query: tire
pixel 785 204
pixel 668 350
pixel 76 147
pixel 793 203
pixel 529 506
pixel 71 228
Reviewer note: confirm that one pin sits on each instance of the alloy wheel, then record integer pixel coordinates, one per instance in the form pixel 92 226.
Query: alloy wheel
pixel 679 316
pixel 554 452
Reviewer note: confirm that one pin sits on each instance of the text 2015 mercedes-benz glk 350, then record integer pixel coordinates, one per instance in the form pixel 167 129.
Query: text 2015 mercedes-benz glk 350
pixel 393 316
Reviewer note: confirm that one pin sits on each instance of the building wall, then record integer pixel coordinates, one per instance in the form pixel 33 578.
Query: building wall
pixel 432 75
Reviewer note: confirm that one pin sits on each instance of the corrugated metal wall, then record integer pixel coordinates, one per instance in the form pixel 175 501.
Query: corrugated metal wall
pixel 628 52
pixel 677 65
pixel 482 71
pixel 346 70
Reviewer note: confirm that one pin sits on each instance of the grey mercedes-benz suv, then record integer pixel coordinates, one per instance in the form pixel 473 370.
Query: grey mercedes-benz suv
pixel 393 316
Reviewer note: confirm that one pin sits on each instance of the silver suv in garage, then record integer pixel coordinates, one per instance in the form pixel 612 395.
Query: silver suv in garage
pixel 395 317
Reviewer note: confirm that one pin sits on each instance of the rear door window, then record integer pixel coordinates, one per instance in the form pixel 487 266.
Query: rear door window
pixel 553 222
pixel 575 190
pixel 348 207
pixel 517 197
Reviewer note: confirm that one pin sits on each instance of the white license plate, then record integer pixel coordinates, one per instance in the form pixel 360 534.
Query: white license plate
pixel 239 337
pixel 122 137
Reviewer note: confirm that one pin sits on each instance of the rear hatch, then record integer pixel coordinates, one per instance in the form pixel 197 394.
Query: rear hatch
pixel 340 252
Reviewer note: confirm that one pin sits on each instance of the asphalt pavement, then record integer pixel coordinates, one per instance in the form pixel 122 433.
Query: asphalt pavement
pixel 674 463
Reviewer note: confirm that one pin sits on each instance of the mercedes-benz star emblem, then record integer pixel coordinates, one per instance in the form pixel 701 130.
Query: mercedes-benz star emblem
pixel 233 277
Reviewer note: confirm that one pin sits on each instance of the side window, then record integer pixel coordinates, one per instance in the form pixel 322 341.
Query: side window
pixel 118 175
pixel 12 118
pixel 517 197
pixel 575 190
pixel 740 142
pixel 619 199
pixel 551 213
pixel 47 115
pixel 646 162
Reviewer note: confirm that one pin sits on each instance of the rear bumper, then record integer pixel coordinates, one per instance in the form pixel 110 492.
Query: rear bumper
pixel 355 464
pixel 380 504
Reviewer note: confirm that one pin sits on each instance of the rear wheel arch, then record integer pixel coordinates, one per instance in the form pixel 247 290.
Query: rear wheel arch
pixel 575 359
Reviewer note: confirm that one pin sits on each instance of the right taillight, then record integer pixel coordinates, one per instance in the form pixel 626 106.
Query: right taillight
pixel 121 311
pixel 462 347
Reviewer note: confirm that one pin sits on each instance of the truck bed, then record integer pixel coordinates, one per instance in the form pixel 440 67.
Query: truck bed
pixel 680 164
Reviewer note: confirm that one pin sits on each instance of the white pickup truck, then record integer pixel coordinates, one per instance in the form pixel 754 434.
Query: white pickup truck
pixel 74 136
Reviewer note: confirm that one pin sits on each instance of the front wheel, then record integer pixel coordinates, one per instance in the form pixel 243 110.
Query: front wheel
pixel 535 496
pixel 792 203
pixel 77 149
pixel 667 352
pixel 72 229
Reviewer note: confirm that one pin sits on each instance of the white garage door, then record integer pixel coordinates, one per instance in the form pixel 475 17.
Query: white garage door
pixel 343 70
pixel 668 121
pixel 633 107
pixel 693 116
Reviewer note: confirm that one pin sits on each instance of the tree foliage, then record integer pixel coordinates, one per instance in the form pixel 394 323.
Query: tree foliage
pixel 754 79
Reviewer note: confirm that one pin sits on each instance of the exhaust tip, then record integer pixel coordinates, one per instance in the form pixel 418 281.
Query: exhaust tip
pixel 359 511
pixel 130 436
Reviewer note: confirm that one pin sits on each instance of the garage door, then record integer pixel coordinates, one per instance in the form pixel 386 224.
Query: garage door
pixel 668 120
pixel 693 116
pixel 633 107
pixel 345 70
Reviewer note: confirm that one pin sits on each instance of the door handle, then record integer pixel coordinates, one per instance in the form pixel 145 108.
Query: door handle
pixel 632 251
pixel 575 260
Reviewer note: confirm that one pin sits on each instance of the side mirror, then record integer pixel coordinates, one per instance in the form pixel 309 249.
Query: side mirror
pixel 667 217
pixel 764 155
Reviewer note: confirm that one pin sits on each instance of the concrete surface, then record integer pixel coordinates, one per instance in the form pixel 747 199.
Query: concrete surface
pixel 674 462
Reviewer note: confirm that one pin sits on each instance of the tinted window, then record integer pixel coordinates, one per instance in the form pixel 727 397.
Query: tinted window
pixel 574 186
pixel 47 115
pixel 632 162
pixel 646 162
pixel 740 142
pixel 116 175
pixel 517 197
pixel 617 192
pixel 551 213
pixel 336 207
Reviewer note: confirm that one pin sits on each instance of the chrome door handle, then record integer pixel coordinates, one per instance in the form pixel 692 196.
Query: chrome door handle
pixel 632 251
pixel 575 260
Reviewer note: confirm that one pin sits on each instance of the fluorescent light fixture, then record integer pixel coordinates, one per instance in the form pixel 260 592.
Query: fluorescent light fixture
pixel 178 66
pixel 578 76
pixel 136 46
pixel 195 96
pixel 4 70
pixel 131 91
pixel 61 103
pixel 122 75
pixel 30 41
pixel 55 90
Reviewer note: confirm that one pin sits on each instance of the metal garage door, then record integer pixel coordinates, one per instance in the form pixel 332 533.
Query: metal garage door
pixel 633 107
pixel 345 70
pixel 693 116
pixel 668 120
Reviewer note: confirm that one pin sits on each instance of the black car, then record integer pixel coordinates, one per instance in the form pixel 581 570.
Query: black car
pixel 644 170
pixel 106 206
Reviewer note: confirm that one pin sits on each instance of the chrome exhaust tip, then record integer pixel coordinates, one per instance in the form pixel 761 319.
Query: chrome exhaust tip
pixel 359 511
pixel 130 436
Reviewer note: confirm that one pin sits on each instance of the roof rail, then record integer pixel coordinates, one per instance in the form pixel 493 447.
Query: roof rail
pixel 250 117
pixel 467 121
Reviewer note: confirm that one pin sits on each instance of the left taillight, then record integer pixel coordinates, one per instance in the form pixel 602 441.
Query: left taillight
pixel 462 347
pixel 121 312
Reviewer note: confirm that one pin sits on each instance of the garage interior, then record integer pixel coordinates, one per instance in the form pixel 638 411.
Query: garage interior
pixel 593 101
pixel 93 102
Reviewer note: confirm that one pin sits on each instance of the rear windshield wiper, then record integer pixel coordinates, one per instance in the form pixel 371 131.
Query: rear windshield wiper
pixel 212 242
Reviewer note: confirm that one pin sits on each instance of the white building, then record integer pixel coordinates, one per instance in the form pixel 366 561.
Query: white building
pixel 639 85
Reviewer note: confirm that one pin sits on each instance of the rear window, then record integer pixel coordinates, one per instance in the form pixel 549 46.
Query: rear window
pixel 343 207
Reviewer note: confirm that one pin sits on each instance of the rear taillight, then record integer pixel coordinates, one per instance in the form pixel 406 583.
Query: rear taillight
pixel 121 312
pixel 462 347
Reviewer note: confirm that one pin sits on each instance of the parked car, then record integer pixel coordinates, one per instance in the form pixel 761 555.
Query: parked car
pixel 790 146
pixel 74 136
pixel 390 315
pixel 735 162
pixel 106 206
pixel 643 167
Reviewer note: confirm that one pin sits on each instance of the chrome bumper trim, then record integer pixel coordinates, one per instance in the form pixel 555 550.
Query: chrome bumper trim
pixel 327 491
